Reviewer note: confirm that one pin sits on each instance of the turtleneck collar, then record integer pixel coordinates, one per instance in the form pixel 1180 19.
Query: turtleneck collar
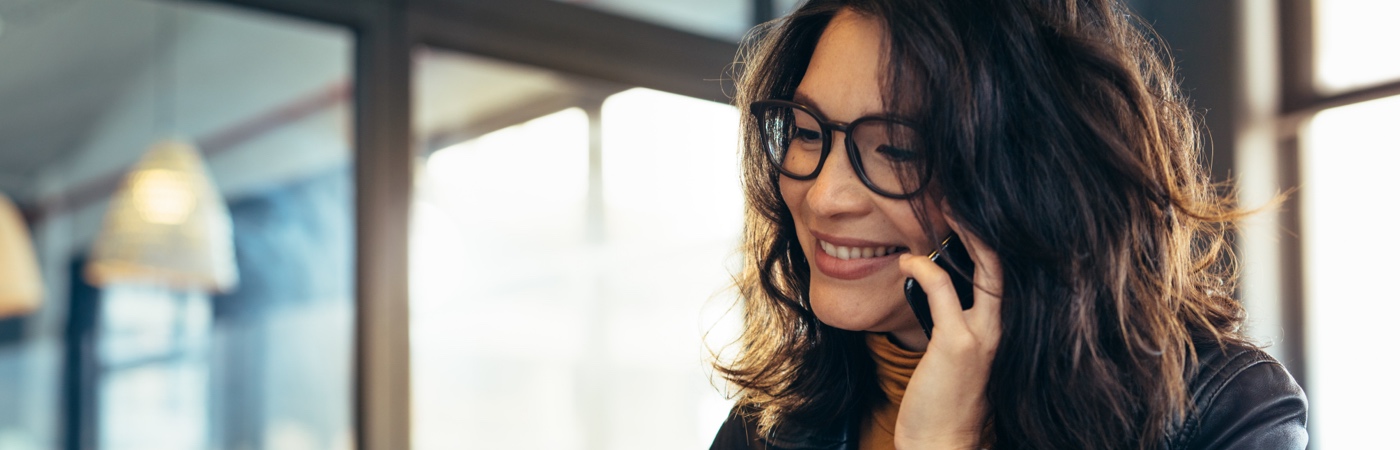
pixel 893 365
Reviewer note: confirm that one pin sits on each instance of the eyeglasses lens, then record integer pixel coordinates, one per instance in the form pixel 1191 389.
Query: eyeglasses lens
pixel 888 156
pixel 793 139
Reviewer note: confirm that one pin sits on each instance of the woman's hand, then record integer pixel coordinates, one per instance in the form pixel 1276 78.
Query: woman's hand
pixel 945 404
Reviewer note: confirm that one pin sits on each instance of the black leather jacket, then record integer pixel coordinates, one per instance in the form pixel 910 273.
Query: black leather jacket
pixel 1244 400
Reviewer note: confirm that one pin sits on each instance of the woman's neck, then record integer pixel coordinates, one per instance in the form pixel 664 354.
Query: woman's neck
pixel 910 339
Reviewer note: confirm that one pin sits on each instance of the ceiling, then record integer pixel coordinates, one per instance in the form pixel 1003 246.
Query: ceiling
pixel 64 61
pixel 87 84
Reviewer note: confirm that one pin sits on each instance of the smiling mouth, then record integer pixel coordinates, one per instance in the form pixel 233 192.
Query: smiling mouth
pixel 849 253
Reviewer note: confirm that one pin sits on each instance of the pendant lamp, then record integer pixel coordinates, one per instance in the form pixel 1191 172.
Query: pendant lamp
pixel 21 288
pixel 167 226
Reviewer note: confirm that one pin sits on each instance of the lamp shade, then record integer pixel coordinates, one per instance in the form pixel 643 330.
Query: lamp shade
pixel 21 289
pixel 167 226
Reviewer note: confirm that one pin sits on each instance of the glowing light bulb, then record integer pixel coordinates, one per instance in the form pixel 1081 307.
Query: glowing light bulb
pixel 163 196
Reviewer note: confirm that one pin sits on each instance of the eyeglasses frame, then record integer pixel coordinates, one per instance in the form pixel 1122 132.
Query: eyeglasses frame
pixel 828 127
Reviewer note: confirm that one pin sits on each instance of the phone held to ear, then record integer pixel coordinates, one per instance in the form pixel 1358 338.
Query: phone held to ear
pixel 953 258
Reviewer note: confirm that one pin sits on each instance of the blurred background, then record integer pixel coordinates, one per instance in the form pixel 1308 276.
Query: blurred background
pixel 445 224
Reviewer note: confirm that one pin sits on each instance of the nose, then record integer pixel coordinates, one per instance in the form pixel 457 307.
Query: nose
pixel 837 190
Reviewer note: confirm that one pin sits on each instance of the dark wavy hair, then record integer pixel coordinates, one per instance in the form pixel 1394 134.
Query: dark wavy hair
pixel 1055 131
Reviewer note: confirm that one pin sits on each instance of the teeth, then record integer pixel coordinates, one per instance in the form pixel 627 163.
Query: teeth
pixel 855 252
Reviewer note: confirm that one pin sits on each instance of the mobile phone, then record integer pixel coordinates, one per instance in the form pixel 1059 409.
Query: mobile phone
pixel 952 256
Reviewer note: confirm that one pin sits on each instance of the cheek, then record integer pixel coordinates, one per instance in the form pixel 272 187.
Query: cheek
pixel 794 195
pixel 902 215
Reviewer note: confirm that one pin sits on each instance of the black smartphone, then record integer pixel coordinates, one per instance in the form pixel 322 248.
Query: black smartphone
pixel 953 258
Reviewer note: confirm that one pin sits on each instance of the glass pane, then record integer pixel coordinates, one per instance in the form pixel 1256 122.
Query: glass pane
pixel 1351 156
pixel 569 252
pixel 88 90
pixel 1357 41
pixel 155 406
pixel 142 324
pixel 723 19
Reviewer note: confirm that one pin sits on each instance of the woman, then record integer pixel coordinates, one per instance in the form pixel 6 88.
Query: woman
pixel 1048 135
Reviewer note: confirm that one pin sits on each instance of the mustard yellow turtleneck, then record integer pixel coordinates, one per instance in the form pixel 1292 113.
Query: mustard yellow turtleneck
pixel 893 368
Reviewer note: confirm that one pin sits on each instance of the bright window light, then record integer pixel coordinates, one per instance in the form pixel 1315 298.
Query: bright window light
pixel 670 166
pixel 1357 42
pixel 540 321
pixel 1348 192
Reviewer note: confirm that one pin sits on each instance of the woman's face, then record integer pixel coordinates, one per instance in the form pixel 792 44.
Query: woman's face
pixel 841 224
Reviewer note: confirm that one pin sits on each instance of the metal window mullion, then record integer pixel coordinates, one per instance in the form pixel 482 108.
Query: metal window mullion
pixel 578 40
pixel 1297 53
pixel 384 155
pixel 1293 273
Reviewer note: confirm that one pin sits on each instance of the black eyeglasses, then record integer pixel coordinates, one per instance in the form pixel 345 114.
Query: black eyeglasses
pixel 883 151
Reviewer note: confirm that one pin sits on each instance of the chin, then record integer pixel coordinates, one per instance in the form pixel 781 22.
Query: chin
pixel 857 306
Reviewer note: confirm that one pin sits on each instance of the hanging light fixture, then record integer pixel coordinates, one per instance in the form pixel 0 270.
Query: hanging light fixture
pixel 21 288
pixel 167 226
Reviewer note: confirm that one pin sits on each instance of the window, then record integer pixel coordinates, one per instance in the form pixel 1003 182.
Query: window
pixel 1356 41
pixel 1348 173
pixel 1345 95
pixel 566 266
pixel 153 367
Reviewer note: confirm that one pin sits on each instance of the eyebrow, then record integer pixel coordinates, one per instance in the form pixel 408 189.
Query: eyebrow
pixel 799 97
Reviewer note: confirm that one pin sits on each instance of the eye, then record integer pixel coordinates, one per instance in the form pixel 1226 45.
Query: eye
pixel 807 135
pixel 895 154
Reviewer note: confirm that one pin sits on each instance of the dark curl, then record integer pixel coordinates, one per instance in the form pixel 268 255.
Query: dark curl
pixel 1055 131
